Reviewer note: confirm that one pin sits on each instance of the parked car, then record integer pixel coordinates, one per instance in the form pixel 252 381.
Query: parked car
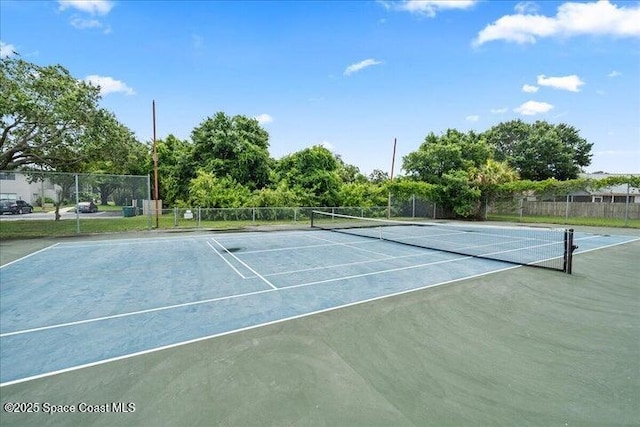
pixel 87 207
pixel 15 207
pixel 6 207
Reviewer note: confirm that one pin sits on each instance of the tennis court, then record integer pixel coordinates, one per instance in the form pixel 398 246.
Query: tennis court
pixel 85 306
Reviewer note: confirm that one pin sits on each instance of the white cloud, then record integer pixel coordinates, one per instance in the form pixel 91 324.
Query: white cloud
pixel 531 108
pixel 93 7
pixel 353 68
pixel 526 7
pixel 109 85
pixel 499 110
pixel 428 7
pixel 614 73
pixel 572 19
pixel 571 83
pixel 263 118
pixel 7 50
pixel 530 88
pixel 472 118
pixel 83 24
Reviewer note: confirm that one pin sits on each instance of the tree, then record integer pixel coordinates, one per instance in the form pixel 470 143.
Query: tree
pixel 276 197
pixel 235 147
pixel 46 115
pixel 175 168
pixel 458 194
pixel 488 178
pixel 313 172
pixel 209 191
pixel 364 194
pixel 540 150
pixel 114 149
pixel 440 155
pixel 349 173
pixel 378 176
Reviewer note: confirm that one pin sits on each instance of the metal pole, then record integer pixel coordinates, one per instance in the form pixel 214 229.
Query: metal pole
pixel 149 202
pixel 413 206
pixel 393 163
pixel 77 203
pixel 155 165
pixel 626 208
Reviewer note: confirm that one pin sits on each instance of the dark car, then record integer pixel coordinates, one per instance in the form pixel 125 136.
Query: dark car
pixel 15 207
pixel 87 207
pixel 6 206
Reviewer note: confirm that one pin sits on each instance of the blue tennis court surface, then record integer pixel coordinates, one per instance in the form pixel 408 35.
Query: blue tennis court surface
pixel 78 304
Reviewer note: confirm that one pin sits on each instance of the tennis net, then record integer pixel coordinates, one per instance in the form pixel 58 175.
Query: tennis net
pixel 539 247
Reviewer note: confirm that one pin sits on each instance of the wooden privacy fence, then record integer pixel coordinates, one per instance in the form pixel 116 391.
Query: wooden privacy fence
pixel 568 209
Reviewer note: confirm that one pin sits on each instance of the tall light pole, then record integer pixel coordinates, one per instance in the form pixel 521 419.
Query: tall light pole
pixel 393 163
pixel 155 165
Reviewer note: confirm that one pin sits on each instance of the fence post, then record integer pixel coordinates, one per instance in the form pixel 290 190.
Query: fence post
pixel 199 217
pixel 626 208
pixel 520 207
pixel 566 211
pixel 77 202
pixel 175 216
pixel 149 212
pixel 413 206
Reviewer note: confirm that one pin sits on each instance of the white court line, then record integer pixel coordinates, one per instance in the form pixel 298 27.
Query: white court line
pixel 134 313
pixel 290 248
pixel 247 328
pixel 422 253
pixel 373 273
pixel 187 304
pixel 225 260
pixel 603 247
pixel 179 344
pixel 249 268
pixel 350 245
pixel 31 254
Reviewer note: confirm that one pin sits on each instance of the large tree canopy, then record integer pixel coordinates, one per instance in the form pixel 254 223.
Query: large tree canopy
pixel 313 172
pixel 235 147
pixel 46 116
pixel 540 150
pixel 450 152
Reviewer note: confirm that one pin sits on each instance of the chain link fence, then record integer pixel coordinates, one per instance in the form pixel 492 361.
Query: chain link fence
pixel 65 202
pixel 40 203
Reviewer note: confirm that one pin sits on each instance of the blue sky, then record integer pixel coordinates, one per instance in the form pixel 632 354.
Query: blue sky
pixel 350 75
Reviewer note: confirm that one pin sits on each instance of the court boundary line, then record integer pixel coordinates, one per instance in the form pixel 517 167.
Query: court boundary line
pixel 225 260
pixel 288 248
pixel 349 245
pixel 29 255
pixel 205 301
pixel 348 264
pixel 247 328
pixel 373 273
pixel 243 263
pixel 210 300
pixel 148 351
pixel 578 251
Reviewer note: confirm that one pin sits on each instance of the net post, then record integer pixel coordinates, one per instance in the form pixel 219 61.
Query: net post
pixel 569 247
pixel 312 217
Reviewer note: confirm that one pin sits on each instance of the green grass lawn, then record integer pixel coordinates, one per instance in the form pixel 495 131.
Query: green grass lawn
pixel 69 227
pixel 49 228
pixel 596 222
